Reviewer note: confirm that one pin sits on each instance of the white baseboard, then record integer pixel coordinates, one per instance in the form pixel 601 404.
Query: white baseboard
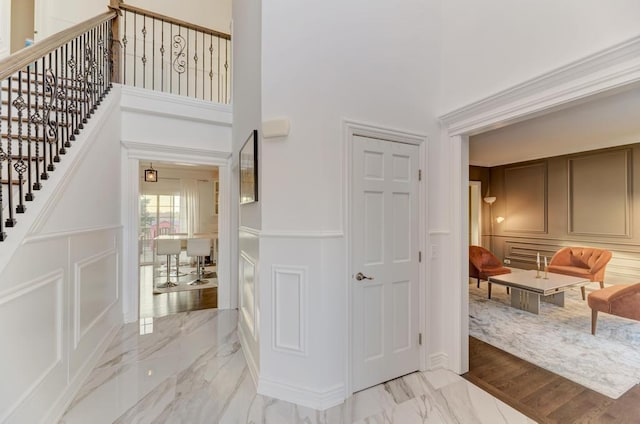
pixel 69 393
pixel 304 396
pixel 251 361
pixel 438 360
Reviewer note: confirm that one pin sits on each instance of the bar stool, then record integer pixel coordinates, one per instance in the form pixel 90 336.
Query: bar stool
pixel 199 248
pixel 168 247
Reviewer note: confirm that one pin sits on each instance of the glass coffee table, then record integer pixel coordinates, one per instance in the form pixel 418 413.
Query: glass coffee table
pixel 527 291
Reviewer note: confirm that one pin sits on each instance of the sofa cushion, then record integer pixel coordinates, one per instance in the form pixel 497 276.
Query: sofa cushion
pixel 570 270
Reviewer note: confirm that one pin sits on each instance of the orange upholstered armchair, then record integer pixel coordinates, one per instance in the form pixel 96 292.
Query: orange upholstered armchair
pixel 623 301
pixel 587 262
pixel 484 264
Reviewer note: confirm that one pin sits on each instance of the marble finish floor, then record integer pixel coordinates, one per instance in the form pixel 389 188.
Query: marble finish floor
pixel 189 368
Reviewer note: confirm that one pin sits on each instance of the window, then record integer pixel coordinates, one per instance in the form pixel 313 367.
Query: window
pixel 159 214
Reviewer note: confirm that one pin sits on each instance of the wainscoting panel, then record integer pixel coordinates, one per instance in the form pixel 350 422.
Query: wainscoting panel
pixel 289 309
pixel 624 267
pixel 247 292
pixel 526 210
pixel 32 346
pixel 600 194
pixel 95 290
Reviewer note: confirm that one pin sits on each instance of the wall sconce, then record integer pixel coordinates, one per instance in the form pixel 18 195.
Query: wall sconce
pixel 490 200
pixel 499 219
pixel 151 175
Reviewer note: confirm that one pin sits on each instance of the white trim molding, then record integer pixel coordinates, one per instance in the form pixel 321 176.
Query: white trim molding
pixel 350 129
pixel 290 311
pixel 71 233
pixel 607 70
pixel 252 364
pixel 150 151
pixel 56 278
pixel 438 360
pixel 294 234
pixel 304 396
pixel 78 332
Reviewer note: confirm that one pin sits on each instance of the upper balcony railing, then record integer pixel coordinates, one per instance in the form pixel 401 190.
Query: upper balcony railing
pixel 169 55
pixel 48 91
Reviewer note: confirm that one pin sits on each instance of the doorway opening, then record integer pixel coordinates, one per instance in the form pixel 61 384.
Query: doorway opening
pixel 178 214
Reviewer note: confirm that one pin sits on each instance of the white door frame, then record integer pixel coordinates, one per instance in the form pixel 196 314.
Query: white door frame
pixel 355 128
pixel 132 154
pixel 595 75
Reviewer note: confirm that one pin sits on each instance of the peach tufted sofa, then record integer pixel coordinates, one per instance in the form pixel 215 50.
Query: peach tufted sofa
pixel 623 301
pixel 587 262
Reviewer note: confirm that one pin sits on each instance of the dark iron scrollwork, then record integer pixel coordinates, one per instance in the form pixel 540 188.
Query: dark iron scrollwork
pixel 51 95
pixel 179 63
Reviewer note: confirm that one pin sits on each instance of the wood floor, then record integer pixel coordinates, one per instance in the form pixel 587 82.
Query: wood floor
pixel 542 395
pixel 159 305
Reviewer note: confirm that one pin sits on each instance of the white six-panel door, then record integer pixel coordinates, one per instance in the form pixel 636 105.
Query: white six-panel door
pixel 385 249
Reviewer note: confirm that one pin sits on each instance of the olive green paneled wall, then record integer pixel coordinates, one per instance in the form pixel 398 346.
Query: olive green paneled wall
pixel 585 199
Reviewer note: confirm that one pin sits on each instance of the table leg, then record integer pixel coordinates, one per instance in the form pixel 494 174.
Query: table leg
pixel 525 300
pixel 556 298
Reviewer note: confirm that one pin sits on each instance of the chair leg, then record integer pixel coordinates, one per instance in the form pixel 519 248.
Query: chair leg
pixel 594 319
pixel 601 284
pixel 507 290
pixel 584 292
pixel 489 284
pixel 478 282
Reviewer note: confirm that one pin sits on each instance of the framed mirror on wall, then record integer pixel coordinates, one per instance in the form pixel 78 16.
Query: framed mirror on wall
pixel 249 169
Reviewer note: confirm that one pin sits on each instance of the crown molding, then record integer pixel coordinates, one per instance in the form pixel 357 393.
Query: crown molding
pixel 609 69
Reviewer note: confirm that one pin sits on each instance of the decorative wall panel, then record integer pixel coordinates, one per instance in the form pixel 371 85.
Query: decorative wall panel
pixel 600 194
pixel 289 309
pixel 32 346
pixel 95 288
pixel 247 291
pixel 526 198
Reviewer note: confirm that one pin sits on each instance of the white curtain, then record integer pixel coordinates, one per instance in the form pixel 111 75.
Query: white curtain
pixel 189 207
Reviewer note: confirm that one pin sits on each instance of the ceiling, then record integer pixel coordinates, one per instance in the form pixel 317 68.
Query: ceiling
pixel 606 121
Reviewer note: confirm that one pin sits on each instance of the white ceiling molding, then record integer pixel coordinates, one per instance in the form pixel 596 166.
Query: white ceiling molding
pixel 614 68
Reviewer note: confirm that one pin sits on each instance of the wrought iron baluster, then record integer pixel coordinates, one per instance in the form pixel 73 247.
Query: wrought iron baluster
pixel 75 86
pixel 49 104
pixel 56 105
pixel 3 156
pixel 153 54
pixel 29 195
pixel 226 71
pixel 124 44
pixel 219 86
pixel 171 49
pixel 135 46
pixel 35 119
pixel 144 51
pixel 19 166
pixel 187 65
pixel 110 52
pixel 93 68
pixel 195 66
pixel 42 124
pixel 204 64
pixel 162 57
pixel 10 222
pixel 65 116
pixel 210 67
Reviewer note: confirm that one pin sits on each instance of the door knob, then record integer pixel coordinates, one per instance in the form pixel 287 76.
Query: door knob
pixel 360 276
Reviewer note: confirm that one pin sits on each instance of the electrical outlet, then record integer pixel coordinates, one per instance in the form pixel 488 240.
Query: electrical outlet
pixel 507 261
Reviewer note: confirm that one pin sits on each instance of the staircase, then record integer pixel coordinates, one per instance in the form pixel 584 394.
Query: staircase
pixel 50 90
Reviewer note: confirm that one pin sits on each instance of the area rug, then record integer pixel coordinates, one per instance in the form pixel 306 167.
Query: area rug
pixel 559 339
pixel 183 283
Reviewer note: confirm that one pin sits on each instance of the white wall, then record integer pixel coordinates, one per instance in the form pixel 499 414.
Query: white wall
pixel 60 293
pixel 53 16
pixel 247 114
pixel 214 14
pixel 5 27
pixel 371 61
pixel 491 45
pixel 161 127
